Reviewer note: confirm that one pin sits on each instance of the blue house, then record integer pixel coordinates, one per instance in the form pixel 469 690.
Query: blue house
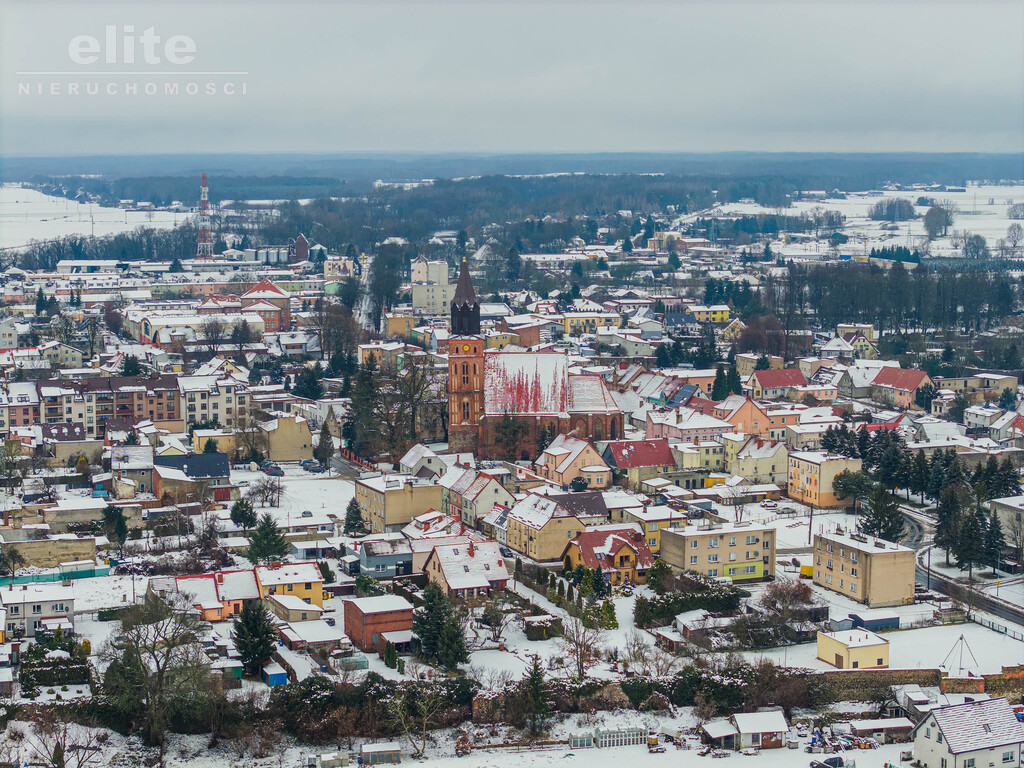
pixel 384 555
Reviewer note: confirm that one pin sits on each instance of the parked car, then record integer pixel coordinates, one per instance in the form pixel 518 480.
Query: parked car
pixel 316 469
pixel 506 552
pixel 274 472
pixel 308 463
pixel 769 504
pixel 829 762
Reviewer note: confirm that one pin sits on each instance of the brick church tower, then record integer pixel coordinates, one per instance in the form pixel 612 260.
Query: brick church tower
pixel 465 367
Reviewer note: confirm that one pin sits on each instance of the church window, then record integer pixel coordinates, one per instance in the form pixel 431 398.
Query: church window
pixel 465 410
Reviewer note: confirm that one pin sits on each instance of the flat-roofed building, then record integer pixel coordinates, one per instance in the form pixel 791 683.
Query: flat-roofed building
pixel 869 570
pixel 739 551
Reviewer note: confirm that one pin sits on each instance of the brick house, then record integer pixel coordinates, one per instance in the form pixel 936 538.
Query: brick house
pixel 367 618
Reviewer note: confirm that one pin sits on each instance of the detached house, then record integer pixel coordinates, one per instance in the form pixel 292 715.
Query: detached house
pixel 539 526
pixel 568 458
pixel 476 569
pixel 774 385
pixel 977 734
pixel 897 387
pixel 640 459
pixel 620 552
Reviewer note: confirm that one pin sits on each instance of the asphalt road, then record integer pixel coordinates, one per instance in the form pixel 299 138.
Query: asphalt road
pixel 919 534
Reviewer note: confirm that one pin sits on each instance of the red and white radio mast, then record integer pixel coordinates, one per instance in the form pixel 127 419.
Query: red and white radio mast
pixel 204 243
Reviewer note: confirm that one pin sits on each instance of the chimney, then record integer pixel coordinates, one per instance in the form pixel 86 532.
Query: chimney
pixel 275 565
pixel 472 549
pixel 220 577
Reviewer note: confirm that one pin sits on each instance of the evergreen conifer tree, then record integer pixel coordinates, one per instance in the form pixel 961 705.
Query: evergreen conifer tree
pixel 254 635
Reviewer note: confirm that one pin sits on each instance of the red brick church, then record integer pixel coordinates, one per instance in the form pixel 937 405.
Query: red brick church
pixel 534 388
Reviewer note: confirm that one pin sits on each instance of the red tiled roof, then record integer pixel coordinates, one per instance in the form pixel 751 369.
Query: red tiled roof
pixel 628 454
pixel 780 377
pixel 899 378
pixel 607 543
pixel 701 404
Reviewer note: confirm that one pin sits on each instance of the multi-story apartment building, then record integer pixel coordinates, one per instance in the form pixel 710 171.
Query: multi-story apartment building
pixel 739 551
pixel 390 502
pixel 872 571
pixel 811 474
pixel 204 398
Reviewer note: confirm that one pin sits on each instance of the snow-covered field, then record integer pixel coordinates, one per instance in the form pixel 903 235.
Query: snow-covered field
pixel 925 648
pixel 26 214
pixel 302 491
pixel 977 216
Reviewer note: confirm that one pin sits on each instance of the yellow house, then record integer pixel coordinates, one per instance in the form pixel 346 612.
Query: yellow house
pixel 746 363
pixel 288 438
pixel 578 323
pixel 500 339
pixel 653 520
pixel 224 439
pixel 707 455
pixel 301 580
pixel 399 325
pixel 539 528
pixel 853 649
pixel 715 313
pixel 811 474
pixel 733 331
pixel 390 502
pixel 618 551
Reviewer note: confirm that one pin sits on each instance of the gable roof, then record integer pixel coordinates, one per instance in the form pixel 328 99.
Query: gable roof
pixel 977 725
pixel 265 289
pixel 630 454
pixel 599 546
pixel 780 377
pixel 197 464
pixel 476 565
pixel 899 378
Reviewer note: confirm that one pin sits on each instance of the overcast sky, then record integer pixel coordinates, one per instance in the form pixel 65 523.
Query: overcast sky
pixel 508 76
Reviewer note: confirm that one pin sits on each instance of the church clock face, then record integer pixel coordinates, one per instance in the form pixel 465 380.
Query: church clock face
pixel 465 348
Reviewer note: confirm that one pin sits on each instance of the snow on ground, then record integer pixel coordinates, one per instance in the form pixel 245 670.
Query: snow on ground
pixel 977 216
pixel 791 529
pixel 925 648
pixel 26 214
pixel 302 491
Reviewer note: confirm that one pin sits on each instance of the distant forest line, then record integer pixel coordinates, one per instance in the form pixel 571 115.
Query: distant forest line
pixel 285 176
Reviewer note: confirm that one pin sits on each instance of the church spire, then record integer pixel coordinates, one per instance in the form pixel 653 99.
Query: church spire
pixel 465 317
pixel 464 293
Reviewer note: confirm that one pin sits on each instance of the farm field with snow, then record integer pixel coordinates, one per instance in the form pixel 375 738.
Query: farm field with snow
pixel 26 214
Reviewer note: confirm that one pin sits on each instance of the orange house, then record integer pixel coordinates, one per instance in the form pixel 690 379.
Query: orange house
pixel 568 458
pixel 744 414
pixel 218 596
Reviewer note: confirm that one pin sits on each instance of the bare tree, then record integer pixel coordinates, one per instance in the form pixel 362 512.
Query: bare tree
pixel 581 644
pixel 1015 235
pixel 648 659
pixel 265 490
pixel 59 744
pixel 497 617
pixel 413 708
pixel 214 333
pixel 1015 533
pixel 161 649
pixel 251 440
